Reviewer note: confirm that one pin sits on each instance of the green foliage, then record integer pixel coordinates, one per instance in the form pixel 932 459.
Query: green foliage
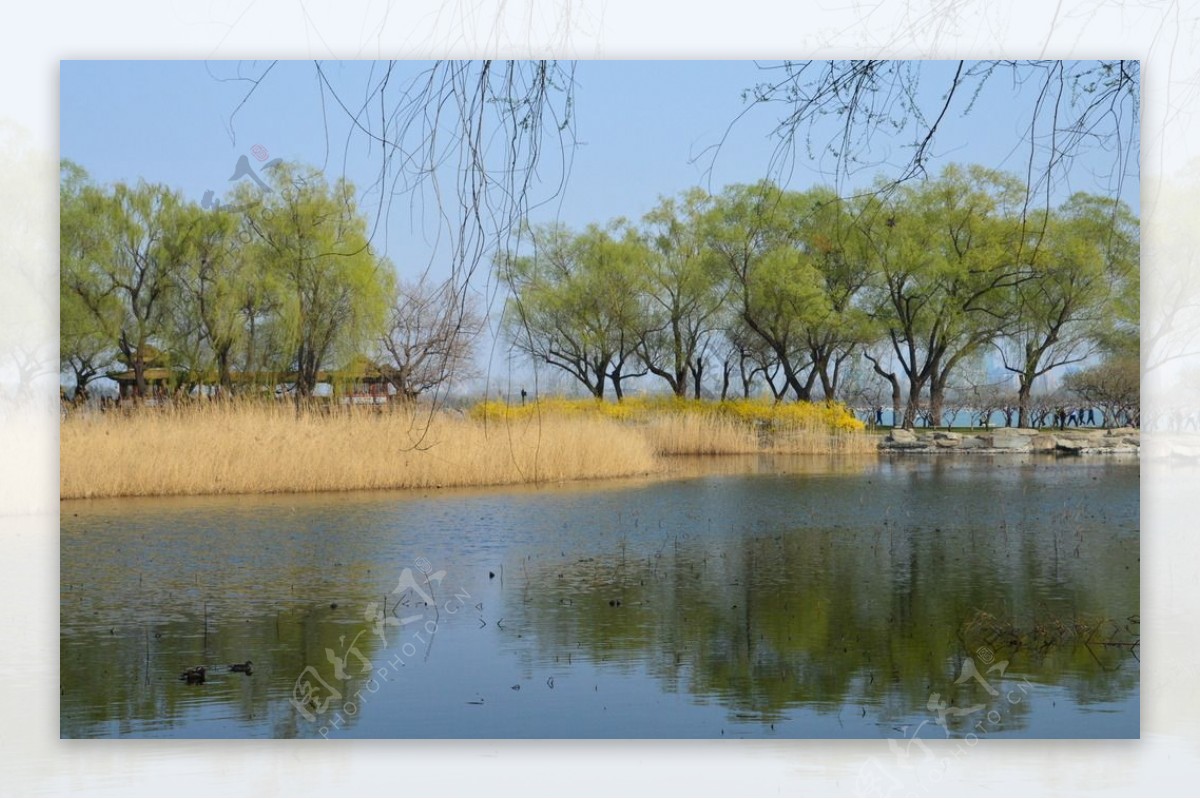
pixel 783 286
pixel 120 266
pixel 1078 292
pixel 797 263
pixel 685 290
pixel 924 279
pixel 89 322
pixel 946 253
pixel 576 301
pixel 213 277
pixel 333 292
pixel 287 285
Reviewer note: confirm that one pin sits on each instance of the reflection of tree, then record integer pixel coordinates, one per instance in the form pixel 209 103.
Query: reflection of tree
pixel 129 677
pixel 824 618
pixel 136 587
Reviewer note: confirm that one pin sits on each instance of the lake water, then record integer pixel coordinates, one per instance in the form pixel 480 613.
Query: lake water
pixel 896 598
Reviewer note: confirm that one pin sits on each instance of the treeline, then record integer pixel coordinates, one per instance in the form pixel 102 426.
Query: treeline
pixel 800 290
pixel 887 297
pixel 272 287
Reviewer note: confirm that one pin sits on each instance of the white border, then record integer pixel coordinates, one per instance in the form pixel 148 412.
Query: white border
pixel 37 36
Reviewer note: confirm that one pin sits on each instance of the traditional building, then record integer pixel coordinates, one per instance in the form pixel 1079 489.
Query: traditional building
pixel 362 382
pixel 158 376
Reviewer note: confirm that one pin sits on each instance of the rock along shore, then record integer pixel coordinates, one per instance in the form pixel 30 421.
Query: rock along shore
pixel 1072 441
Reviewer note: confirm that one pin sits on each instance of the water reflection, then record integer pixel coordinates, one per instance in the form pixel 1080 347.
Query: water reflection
pixel 833 600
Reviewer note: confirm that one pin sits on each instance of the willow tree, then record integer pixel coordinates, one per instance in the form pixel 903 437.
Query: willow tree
pixel 333 290
pixel 576 302
pixel 944 253
pixel 798 263
pixel 89 314
pixel 1081 278
pixel 86 333
pixel 117 266
pixel 752 231
pixel 831 240
pixel 214 273
pixel 983 246
pixel 685 291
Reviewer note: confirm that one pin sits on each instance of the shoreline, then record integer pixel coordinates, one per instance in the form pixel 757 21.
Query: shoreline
pixel 268 450
pixel 1001 440
pixel 252 450
pixel 674 467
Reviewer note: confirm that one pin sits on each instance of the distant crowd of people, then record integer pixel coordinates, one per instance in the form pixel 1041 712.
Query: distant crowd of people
pixel 1074 417
pixel 1061 417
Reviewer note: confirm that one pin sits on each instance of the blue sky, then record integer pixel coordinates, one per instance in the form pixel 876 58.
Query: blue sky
pixel 644 129
pixel 640 127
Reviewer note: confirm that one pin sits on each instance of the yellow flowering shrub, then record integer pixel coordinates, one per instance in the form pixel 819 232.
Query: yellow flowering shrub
pixel 826 416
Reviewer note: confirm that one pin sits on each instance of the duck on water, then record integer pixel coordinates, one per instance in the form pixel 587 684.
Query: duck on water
pixel 196 674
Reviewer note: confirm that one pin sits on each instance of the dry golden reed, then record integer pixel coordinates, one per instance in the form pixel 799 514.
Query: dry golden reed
pixel 250 448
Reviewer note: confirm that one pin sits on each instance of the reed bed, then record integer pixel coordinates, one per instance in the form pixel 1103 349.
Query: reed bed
pixel 224 448
pixel 694 434
pixel 254 449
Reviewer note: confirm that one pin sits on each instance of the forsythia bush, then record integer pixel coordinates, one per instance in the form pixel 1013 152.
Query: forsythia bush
pixel 828 416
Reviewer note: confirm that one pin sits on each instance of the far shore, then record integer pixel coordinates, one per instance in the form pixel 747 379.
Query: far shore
pixel 999 440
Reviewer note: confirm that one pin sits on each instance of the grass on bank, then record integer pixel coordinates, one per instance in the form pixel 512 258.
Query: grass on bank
pixel 222 448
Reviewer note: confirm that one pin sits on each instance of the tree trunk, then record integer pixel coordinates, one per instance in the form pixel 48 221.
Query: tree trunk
pixel 747 378
pixel 139 376
pixel 937 400
pixel 829 382
pixel 135 356
pixel 776 393
pixel 223 375
pixel 892 380
pixel 803 391
pixel 597 388
pixel 828 386
pixel 914 404
pixel 1024 390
